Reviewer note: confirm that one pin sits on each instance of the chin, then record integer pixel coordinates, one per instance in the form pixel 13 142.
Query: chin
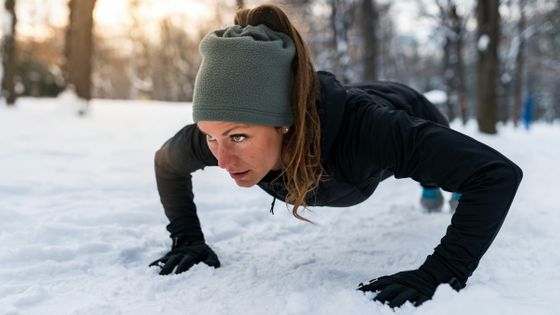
pixel 246 184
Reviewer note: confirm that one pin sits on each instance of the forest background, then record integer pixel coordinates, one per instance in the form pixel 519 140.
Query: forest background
pixel 494 60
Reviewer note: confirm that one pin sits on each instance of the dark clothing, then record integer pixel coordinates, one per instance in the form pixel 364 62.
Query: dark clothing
pixel 369 132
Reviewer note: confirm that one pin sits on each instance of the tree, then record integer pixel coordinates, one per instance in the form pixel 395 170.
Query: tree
pixel 142 51
pixel 369 21
pixel 9 54
pixel 488 31
pixel 519 65
pixel 340 24
pixel 175 61
pixel 111 70
pixel 79 47
pixel 452 25
pixel 386 33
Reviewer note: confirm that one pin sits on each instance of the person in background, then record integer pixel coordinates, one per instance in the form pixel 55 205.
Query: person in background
pixel 264 115
pixel 528 111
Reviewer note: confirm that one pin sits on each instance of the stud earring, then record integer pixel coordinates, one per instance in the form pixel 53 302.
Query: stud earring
pixel 285 129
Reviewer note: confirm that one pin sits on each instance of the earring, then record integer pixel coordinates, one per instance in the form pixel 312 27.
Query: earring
pixel 285 129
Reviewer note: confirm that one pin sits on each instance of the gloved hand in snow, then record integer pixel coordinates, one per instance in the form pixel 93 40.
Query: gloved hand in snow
pixel 185 254
pixel 415 286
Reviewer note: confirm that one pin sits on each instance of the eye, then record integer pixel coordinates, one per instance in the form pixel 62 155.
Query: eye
pixel 209 138
pixel 238 138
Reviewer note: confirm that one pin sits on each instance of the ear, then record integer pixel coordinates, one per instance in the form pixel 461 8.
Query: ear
pixel 282 130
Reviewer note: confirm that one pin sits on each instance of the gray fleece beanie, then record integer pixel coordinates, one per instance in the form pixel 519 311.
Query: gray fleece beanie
pixel 245 77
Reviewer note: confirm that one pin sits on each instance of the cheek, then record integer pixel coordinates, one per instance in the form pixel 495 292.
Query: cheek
pixel 273 149
pixel 253 157
pixel 213 150
pixel 260 156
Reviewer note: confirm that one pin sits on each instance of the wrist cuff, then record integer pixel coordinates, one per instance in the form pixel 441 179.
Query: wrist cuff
pixel 441 273
pixel 185 233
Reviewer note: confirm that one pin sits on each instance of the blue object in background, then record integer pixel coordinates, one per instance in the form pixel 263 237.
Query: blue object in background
pixel 528 111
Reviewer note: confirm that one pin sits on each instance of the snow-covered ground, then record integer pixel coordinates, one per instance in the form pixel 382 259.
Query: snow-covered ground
pixel 80 220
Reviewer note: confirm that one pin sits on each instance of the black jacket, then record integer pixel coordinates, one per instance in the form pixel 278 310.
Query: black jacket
pixel 371 131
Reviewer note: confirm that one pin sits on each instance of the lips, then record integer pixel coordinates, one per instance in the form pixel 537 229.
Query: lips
pixel 238 175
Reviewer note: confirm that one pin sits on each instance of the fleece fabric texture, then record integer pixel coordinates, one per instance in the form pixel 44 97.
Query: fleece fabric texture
pixel 245 77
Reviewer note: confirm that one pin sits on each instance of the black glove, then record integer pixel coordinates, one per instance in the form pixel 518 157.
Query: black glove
pixel 416 286
pixel 185 254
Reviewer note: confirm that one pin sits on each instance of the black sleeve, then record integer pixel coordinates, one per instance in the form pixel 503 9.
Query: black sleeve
pixel 429 152
pixel 181 155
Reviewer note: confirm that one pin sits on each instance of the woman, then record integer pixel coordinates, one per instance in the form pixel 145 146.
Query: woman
pixel 266 117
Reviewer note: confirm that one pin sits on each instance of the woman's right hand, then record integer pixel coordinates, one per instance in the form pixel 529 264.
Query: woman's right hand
pixel 184 255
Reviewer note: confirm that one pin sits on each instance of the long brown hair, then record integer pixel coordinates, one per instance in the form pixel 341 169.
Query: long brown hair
pixel 301 149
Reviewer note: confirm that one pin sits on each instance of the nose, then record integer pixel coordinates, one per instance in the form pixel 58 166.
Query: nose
pixel 225 157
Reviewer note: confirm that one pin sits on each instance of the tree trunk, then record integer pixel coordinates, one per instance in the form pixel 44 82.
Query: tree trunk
pixel 340 38
pixel 488 35
pixel 9 56
pixel 449 75
pixel 458 27
pixel 458 64
pixel 453 64
pixel 79 47
pixel 369 22
pixel 519 65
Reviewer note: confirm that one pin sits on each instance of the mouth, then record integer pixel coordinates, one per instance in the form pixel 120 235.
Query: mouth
pixel 238 175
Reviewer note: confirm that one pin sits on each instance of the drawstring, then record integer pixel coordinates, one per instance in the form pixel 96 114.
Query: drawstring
pixel 272 205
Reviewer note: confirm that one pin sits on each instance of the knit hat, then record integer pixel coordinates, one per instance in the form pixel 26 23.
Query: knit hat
pixel 245 77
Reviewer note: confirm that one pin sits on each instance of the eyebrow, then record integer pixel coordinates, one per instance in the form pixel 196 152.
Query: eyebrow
pixel 225 133
pixel 229 130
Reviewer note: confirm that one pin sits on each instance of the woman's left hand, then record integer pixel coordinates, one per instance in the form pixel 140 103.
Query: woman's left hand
pixel 415 286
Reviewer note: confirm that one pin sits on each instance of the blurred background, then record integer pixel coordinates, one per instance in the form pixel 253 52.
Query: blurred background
pixel 489 60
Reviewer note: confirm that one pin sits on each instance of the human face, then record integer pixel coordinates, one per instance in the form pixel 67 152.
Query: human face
pixel 246 152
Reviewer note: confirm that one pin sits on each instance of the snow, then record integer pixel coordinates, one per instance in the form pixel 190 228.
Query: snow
pixel 80 220
pixel 483 42
pixel 436 96
pixel 69 102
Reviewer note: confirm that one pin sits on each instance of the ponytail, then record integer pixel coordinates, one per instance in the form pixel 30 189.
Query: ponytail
pixel 301 149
